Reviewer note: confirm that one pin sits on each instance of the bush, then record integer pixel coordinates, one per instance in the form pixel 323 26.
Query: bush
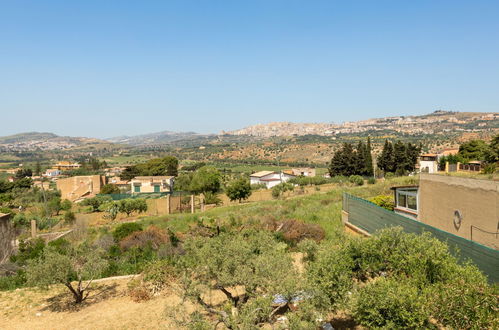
pixel 258 186
pixel 465 301
pixel 356 179
pixel 20 220
pixel 110 189
pixel 238 189
pixel 421 257
pixel 211 198
pixel 96 202
pixel 391 303
pixel 385 201
pixel 125 230
pixel 281 188
pixel 330 276
pixel 152 237
pixel 131 205
pixel 66 205
pixel 371 180
pixel 69 217
pixel 294 231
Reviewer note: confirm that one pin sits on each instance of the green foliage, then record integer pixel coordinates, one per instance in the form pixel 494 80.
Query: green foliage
pixel 356 179
pixel 465 301
pixel 77 263
pixel 23 173
pixel 423 258
pixel 492 153
pixel 211 198
pixel 125 229
pixel 331 276
pixel 66 205
pixel 69 217
pixel 281 188
pixel 21 220
pixel 111 208
pixel 349 161
pixel 258 186
pixel 28 250
pixel 131 205
pixel 238 189
pixel 155 167
pixel 183 181
pixel 473 150
pixel 392 304
pixel 385 201
pixel 371 180
pixel 54 206
pixel 110 189
pixel 206 179
pixel 96 202
pixel 398 158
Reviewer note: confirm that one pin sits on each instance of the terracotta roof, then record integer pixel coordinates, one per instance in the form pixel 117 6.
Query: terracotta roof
pixel 152 178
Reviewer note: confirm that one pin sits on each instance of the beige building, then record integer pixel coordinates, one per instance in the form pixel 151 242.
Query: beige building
pixel 151 184
pixel 464 207
pixel 304 171
pixel 66 166
pixel 78 187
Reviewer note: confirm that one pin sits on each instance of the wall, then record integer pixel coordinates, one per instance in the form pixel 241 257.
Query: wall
pixel 75 187
pixel 476 200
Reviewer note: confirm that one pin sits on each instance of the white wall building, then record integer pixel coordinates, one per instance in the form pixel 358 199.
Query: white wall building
pixel 428 163
pixel 269 178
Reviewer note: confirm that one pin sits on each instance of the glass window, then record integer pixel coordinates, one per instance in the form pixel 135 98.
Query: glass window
pixel 412 203
pixel 401 200
pixel 157 188
pixel 136 188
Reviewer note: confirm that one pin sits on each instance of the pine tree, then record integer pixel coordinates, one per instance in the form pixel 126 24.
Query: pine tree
pixel 343 161
pixel 360 159
pixel 401 160
pixel 386 158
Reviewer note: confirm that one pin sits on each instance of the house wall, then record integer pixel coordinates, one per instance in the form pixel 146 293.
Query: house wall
pixel 76 187
pixel 274 176
pixel 432 166
pixel 476 200
pixel 147 186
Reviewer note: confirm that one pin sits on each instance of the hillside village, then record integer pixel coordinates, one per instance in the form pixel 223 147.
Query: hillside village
pixel 155 208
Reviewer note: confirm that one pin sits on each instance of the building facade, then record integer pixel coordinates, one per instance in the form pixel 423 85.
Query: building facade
pixel 151 184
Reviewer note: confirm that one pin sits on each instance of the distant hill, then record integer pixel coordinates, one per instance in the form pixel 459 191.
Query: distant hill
pixel 435 122
pixel 43 141
pixel 154 138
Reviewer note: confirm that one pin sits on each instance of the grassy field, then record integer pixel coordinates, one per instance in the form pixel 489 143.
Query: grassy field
pixel 323 208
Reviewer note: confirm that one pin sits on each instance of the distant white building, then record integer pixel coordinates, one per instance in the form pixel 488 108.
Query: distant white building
pixel 428 163
pixel 52 173
pixel 270 178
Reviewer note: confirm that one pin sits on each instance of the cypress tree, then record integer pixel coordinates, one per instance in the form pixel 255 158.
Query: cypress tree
pixel 360 159
pixel 401 161
pixel 369 171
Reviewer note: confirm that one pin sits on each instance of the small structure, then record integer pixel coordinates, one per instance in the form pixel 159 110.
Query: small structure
pixel 78 187
pixel 270 178
pixel 304 171
pixel 152 184
pixel 122 184
pixel 66 166
pixel 52 173
pixel 428 163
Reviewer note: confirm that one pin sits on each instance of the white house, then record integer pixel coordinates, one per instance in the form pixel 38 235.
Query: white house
pixel 428 163
pixel 52 173
pixel 152 184
pixel 269 178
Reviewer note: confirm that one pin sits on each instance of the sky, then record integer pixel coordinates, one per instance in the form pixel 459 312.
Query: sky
pixel 110 68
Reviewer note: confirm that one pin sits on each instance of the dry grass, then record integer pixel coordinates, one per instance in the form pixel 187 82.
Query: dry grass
pixel 108 307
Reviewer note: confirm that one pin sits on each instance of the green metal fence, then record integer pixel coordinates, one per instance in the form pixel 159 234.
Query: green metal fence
pixel 371 218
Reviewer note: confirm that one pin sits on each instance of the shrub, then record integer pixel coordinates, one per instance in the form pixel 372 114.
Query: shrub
pixel 96 202
pixel 356 179
pixel 371 180
pixel 20 220
pixel 131 205
pixel 66 205
pixel 211 198
pixel 330 276
pixel 258 186
pixel 69 217
pixel 281 188
pixel 390 303
pixel 125 230
pixel 238 190
pixel 28 250
pixel 110 189
pixel 294 231
pixel 158 275
pixel 465 301
pixel 385 201
pixel 152 237
pixel 420 257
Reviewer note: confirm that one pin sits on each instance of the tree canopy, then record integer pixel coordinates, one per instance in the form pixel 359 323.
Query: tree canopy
pixel 155 167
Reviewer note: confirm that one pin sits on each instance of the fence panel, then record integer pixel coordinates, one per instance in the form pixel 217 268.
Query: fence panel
pixel 371 218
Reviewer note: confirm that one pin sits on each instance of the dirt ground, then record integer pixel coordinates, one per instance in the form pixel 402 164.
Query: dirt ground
pixel 108 307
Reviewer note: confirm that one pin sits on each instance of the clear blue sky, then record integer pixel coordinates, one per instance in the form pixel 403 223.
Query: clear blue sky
pixel 106 68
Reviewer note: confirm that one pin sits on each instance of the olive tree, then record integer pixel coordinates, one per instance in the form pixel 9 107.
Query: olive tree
pixel 250 268
pixel 238 189
pixel 76 264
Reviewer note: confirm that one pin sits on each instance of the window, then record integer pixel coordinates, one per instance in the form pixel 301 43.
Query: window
pixel 136 188
pixel 157 188
pixel 407 199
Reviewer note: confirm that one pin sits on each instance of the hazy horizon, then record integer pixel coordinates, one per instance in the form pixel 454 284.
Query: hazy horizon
pixel 109 69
